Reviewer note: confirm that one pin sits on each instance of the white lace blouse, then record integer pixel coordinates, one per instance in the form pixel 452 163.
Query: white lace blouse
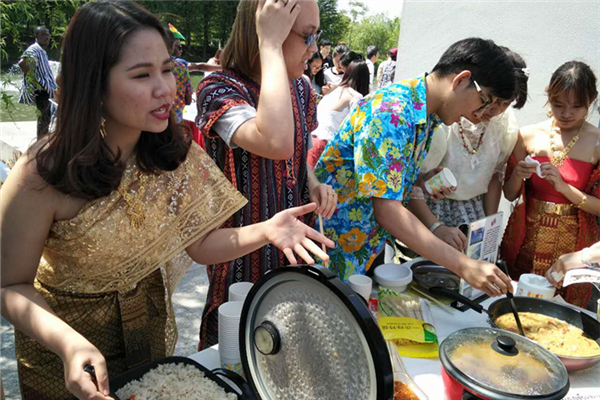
pixel 473 172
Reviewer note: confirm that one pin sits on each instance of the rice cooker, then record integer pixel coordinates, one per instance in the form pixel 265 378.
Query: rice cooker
pixel 305 335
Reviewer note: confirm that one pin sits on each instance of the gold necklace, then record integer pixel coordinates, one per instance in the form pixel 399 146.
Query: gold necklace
pixel 135 204
pixel 559 156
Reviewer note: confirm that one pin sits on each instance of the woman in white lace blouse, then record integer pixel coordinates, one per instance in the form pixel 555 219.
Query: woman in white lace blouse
pixel 476 152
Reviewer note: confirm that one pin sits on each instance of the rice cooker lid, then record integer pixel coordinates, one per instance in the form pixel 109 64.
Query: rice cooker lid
pixel 495 362
pixel 304 334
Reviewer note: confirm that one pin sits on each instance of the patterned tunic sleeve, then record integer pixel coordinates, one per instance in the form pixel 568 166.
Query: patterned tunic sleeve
pixel 215 96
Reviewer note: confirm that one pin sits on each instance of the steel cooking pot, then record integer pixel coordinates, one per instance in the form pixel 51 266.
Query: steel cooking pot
pixel 492 364
pixel 569 314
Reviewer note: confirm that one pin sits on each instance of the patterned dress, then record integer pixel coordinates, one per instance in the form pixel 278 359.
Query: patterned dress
pixel 269 185
pixel 377 152
pixel 112 279
pixel 184 86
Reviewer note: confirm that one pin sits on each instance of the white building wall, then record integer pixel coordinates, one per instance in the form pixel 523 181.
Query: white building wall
pixel 545 33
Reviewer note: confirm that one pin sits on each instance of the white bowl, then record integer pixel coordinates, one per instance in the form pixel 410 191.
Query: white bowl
pixel 393 276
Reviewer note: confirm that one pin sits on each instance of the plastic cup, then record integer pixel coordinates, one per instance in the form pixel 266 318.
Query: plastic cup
pixel 229 327
pixel 362 285
pixel 238 291
pixel 443 178
pixel 531 285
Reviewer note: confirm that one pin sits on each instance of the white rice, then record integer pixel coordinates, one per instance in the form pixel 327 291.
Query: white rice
pixel 174 381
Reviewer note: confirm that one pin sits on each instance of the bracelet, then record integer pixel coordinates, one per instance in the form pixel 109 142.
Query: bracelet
pixel 585 257
pixel 583 200
pixel 435 225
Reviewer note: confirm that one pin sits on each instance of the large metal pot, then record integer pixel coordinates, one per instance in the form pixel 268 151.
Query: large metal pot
pixel 492 364
pixel 589 325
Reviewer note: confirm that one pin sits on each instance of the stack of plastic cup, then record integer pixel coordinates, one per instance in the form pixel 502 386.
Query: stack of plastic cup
pixel 238 291
pixel 229 327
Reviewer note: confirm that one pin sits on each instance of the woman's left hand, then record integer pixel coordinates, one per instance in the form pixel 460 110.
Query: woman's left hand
pixel 326 199
pixel 292 236
pixel 552 175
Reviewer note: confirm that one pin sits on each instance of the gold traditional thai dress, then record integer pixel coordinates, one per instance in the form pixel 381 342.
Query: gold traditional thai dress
pixel 110 271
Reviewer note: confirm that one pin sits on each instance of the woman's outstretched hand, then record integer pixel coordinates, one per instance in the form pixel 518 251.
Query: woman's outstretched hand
pixel 296 238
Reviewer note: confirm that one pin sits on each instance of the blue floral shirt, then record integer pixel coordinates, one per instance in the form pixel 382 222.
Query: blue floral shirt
pixel 377 152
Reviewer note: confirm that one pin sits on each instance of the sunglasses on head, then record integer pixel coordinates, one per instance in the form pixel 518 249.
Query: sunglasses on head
pixel 309 39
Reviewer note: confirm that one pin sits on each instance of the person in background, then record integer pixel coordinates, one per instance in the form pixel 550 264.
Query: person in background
pixel 325 51
pixel 257 116
pixel 183 95
pixel 387 70
pixel 38 82
pixel 313 67
pixel 372 57
pixel 212 65
pixel 558 210
pixel 336 105
pixel 476 151
pixel 374 160
pixel 334 74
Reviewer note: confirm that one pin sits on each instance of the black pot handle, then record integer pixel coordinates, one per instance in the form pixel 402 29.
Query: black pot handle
pixel 458 297
pixel 242 385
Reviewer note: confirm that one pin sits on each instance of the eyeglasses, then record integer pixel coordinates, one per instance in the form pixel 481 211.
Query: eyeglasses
pixel 484 99
pixel 310 39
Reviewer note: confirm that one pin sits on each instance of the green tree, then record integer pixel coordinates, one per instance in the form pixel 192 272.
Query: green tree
pixel 334 24
pixel 357 11
pixel 378 30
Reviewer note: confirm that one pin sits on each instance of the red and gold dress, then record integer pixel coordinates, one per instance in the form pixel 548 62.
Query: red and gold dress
pixel 546 225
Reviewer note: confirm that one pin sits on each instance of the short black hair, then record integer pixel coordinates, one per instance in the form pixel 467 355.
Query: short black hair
pixel 488 63
pixel 39 29
pixel 340 49
pixel 372 51
pixel 522 75
pixel 350 56
pixel 325 42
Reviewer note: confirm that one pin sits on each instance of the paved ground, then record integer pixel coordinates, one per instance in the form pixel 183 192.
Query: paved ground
pixel 188 300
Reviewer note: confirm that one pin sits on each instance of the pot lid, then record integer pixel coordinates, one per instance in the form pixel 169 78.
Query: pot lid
pixel 495 361
pixel 304 334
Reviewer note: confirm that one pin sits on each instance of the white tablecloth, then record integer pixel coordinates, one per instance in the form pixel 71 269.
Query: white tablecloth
pixel 585 385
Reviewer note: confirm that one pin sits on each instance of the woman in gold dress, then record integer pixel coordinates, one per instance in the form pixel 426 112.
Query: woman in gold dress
pixel 559 208
pixel 102 218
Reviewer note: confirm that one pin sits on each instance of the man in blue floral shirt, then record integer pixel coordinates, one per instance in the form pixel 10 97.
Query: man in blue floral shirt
pixel 375 157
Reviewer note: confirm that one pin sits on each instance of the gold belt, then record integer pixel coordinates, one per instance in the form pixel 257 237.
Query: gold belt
pixel 549 207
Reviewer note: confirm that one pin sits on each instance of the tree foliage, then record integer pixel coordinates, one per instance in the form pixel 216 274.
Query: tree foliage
pixel 335 25
pixel 377 30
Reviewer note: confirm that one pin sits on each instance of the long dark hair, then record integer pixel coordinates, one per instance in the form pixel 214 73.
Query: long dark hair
pixel 357 77
pixel 76 161
pixel 576 77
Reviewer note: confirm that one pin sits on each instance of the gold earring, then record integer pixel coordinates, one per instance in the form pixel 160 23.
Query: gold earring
pixel 549 113
pixel 103 128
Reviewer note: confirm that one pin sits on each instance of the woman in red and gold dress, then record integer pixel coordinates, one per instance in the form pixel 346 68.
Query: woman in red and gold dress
pixel 559 209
